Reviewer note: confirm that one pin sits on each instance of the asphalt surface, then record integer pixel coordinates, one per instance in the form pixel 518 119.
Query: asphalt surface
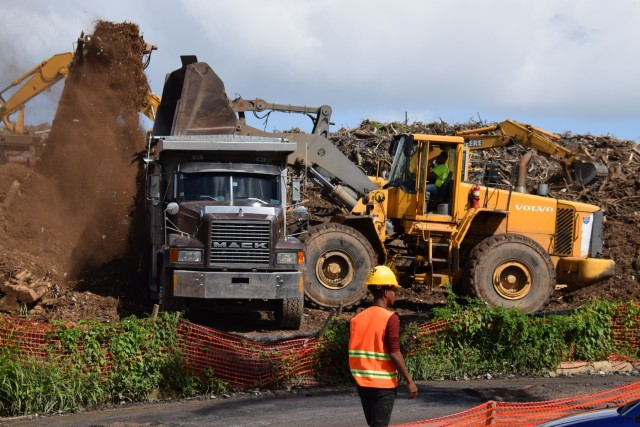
pixel 328 407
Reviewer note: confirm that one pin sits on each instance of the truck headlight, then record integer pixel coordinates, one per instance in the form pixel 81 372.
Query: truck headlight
pixel 290 258
pixel 186 255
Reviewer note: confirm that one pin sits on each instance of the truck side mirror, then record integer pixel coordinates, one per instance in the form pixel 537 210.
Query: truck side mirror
pixel 153 187
pixel 296 193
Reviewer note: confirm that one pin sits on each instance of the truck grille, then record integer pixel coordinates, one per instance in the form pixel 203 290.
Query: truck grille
pixel 565 224
pixel 240 242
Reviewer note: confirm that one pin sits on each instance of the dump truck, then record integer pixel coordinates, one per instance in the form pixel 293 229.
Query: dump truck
pixel 216 208
pixel 481 237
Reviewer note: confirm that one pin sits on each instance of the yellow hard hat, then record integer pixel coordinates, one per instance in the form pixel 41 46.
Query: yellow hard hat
pixel 381 275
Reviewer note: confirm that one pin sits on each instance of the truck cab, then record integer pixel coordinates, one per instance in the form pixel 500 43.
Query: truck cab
pixel 217 215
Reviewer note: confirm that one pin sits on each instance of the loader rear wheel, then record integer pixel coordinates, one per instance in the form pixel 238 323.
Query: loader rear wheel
pixel 289 312
pixel 338 260
pixel 510 270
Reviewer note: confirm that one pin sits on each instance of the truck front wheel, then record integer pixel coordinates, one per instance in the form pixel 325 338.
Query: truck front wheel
pixel 288 313
pixel 338 260
pixel 510 270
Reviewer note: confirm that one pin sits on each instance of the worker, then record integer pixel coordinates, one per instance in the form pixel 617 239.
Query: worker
pixel 437 175
pixel 374 350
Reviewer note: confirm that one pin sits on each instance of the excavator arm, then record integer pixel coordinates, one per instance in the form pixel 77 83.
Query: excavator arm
pixel 39 79
pixel 585 167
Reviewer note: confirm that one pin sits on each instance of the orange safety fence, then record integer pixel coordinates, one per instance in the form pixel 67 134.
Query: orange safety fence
pixel 243 362
pixel 506 414
pixel 247 363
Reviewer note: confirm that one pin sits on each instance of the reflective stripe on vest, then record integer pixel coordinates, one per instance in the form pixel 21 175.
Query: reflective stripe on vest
pixel 369 361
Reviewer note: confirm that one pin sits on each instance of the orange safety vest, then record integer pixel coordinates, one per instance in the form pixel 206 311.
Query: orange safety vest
pixel 369 361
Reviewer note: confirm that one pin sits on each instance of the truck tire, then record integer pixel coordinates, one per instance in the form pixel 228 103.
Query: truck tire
pixel 510 270
pixel 288 313
pixel 338 260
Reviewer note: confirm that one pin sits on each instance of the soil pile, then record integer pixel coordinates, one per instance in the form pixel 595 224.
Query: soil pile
pixel 72 219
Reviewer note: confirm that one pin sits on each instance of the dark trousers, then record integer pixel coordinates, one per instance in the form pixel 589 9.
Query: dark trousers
pixel 377 404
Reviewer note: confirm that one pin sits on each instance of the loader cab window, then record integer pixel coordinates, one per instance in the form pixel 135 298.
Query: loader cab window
pixel 229 187
pixel 439 178
pixel 407 165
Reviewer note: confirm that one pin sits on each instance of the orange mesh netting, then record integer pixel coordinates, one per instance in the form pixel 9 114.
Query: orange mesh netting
pixel 505 414
pixel 246 363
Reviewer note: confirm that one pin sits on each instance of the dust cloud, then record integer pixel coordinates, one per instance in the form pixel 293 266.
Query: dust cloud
pixel 91 152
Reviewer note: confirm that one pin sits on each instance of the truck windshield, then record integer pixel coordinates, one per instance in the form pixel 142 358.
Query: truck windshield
pixel 225 187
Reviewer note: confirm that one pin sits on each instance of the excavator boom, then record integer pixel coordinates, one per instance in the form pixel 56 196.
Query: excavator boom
pixel 586 168
pixel 40 78
pixel 19 148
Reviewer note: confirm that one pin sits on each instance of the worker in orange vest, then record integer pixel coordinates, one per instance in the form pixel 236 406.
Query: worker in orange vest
pixel 374 350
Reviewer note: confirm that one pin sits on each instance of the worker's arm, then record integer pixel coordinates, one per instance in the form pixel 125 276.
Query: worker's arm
pixel 398 362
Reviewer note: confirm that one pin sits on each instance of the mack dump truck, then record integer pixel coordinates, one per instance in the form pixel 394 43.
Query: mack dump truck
pixel 216 207
pixel 478 235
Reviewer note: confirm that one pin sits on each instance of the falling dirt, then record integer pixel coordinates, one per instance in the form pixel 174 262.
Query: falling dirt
pixel 74 222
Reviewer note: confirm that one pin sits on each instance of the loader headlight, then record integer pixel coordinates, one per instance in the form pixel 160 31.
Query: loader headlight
pixel 290 258
pixel 186 255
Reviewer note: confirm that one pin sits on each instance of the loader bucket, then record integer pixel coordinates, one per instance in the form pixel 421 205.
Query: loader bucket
pixel 194 102
pixel 588 171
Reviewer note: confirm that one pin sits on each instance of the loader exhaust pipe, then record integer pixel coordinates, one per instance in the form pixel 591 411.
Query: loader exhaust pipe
pixel 521 179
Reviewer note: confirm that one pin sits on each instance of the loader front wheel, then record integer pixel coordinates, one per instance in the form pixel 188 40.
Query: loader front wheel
pixel 338 260
pixel 510 270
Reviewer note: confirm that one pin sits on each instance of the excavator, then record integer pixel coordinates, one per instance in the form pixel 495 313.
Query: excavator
pixel 573 157
pixel 484 239
pixel 20 148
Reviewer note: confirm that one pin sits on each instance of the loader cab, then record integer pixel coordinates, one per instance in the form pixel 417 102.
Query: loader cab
pixel 420 180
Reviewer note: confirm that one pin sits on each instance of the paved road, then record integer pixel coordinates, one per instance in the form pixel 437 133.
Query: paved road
pixel 339 407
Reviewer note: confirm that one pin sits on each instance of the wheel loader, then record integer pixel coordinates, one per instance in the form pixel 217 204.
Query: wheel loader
pixel 480 234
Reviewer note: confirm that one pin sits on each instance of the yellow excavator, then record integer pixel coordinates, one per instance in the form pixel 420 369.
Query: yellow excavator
pixel 573 157
pixel 17 147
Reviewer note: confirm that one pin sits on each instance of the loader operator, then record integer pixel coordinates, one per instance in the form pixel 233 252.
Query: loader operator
pixel 437 175
pixel 374 350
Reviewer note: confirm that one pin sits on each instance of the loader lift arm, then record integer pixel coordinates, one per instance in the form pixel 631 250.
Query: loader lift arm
pixel 341 180
pixel 585 167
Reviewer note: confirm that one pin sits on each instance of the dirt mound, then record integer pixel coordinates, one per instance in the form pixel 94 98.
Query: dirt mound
pixel 73 213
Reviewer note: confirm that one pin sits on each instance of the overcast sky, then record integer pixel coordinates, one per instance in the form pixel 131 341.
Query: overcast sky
pixel 558 64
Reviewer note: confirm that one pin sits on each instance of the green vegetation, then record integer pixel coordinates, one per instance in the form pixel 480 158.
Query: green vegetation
pixel 484 340
pixel 142 357
pixel 91 363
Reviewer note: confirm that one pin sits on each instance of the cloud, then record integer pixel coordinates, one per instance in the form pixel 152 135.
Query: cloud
pixel 549 60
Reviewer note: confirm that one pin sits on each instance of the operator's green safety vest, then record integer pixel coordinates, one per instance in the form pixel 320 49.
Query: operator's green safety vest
pixel 441 172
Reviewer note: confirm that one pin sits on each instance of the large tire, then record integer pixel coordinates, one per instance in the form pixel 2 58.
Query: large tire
pixel 338 260
pixel 510 270
pixel 289 312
